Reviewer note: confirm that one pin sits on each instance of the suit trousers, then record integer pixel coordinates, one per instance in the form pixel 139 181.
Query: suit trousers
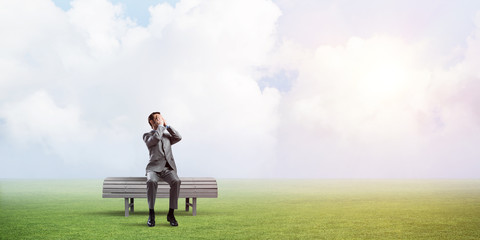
pixel 168 175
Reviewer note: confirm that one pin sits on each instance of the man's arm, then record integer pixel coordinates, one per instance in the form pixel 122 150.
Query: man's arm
pixel 152 139
pixel 175 135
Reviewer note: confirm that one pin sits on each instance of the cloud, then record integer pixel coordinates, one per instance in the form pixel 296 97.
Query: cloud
pixel 252 94
pixel 82 83
pixel 375 108
pixel 37 118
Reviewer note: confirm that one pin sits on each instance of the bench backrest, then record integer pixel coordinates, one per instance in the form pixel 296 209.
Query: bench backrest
pixel 136 187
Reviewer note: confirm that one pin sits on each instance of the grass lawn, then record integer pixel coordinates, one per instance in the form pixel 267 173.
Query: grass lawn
pixel 249 209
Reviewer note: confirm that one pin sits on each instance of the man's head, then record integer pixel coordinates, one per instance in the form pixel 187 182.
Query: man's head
pixel 152 117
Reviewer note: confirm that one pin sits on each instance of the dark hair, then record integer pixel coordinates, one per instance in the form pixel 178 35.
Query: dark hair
pixel 150 117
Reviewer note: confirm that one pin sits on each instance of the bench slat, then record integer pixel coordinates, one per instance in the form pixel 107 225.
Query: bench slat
pixel 165 195
pixel 159 183
pixel 158 189
pixel 192 190
pixel 145 179
pixel 159 186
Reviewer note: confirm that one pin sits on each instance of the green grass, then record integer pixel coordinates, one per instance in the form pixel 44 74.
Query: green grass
pixel 250 209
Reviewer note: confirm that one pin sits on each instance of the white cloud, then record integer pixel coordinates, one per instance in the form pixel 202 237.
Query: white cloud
pixel 76 88
pixel 106 74
pixel 374 108
pixel 37 118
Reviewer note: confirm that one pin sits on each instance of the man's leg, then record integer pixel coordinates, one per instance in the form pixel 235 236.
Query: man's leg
pixel 173 180
pixel 152 184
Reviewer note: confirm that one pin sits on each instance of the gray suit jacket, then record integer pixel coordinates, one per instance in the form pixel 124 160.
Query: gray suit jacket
pixel 159 145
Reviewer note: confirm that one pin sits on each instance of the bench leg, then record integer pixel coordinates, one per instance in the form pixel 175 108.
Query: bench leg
pixel 131 204
pixel 126 207
pixel 194 206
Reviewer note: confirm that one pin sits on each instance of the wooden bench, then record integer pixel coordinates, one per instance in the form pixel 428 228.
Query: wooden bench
pixel 130 188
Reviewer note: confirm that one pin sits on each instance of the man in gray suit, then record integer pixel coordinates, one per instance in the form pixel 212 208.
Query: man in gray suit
pixel 162 165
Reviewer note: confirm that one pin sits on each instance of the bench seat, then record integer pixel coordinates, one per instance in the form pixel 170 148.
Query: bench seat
pixel 130 188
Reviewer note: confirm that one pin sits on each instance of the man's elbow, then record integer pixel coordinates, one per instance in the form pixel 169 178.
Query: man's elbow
pixel 177 139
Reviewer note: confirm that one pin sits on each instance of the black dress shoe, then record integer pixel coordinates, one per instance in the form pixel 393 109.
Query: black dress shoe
pixel 172 220
pixel 151 222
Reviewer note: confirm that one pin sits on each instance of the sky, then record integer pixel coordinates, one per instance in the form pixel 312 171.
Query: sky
pixel 256 88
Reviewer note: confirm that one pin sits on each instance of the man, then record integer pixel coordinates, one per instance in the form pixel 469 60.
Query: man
pixel 162 165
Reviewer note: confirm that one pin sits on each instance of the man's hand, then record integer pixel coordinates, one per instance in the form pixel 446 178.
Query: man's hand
pixel 158 121
pixel 164 121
